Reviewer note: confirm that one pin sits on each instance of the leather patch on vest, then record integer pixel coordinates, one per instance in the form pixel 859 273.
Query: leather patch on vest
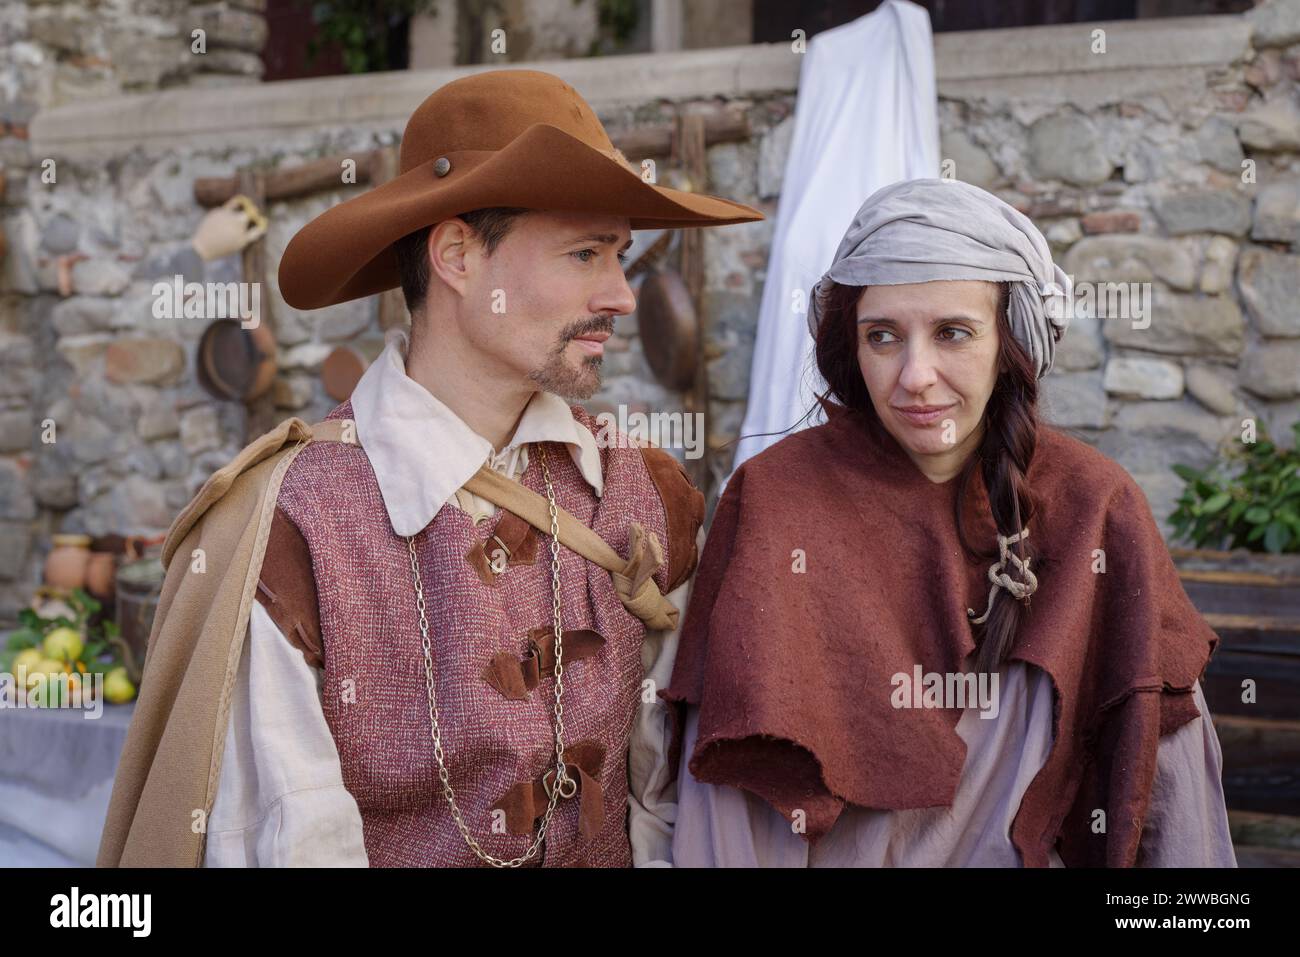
pixel 515 678
pixel 684 507
pixel 512 542
pixel 526 802
pixel 286 587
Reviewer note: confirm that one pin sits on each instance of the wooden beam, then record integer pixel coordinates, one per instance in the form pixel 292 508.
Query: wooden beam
pixel 725 125
pixel 289 182
pixel 721 125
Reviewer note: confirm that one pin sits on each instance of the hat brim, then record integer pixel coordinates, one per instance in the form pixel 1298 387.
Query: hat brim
pixel 346 252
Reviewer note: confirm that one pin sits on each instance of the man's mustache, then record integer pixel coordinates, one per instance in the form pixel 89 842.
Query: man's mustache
pixel 585 327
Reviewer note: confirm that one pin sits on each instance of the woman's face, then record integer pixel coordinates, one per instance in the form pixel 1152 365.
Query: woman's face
pixel 928 353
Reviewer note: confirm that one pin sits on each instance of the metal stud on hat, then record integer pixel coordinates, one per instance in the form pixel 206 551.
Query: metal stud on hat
pixel 441 166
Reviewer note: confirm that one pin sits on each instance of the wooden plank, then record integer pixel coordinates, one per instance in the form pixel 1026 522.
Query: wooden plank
pixel 1239 578
pixel 1278 567
pixel 1261 763
pixel 1244 597
pixel 1250 622
pixel 1251 856
pixel 1265 830
pixel 1257 636
pixel 1277 685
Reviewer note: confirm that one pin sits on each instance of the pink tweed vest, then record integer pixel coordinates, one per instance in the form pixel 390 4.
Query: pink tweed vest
pixel 374 694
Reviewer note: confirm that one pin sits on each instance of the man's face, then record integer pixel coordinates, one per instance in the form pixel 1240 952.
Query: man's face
pixel 543 304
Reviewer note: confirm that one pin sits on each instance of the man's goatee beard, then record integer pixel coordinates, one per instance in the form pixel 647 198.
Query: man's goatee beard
pixel 560 378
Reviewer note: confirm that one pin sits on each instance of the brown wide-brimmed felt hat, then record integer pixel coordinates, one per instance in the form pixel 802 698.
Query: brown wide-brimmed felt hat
pixel 519 138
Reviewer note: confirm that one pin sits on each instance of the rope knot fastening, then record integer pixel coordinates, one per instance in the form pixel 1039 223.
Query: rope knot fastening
pixel 1019 589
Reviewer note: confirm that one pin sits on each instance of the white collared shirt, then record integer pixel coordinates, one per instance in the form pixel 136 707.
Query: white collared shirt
pixel 281 801
pixel 423 453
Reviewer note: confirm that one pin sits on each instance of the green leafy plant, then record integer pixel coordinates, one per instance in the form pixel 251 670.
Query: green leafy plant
pixel 617 20
pixel 104 648
pixel 361 28
pixel 1250 499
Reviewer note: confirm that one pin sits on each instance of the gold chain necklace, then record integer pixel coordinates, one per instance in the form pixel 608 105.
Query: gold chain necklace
pixel 564 785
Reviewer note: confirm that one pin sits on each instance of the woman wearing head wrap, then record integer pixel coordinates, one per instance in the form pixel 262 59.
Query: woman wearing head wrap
pixel 933 630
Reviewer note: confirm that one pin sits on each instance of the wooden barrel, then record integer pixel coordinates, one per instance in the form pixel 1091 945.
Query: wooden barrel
pixel 139 585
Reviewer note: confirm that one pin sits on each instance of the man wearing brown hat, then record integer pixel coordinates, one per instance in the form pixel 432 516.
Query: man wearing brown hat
pixel 428 630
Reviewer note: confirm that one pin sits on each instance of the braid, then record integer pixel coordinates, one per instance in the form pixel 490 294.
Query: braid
pixel 1005 454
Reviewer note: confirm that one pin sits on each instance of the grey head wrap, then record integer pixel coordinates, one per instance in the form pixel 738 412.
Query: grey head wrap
pixel 920 230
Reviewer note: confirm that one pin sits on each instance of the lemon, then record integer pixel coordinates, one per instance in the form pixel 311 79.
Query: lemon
pixel 117 686
pixel 43 684
pixel 64 644
pixel 46 666
pixel 28 658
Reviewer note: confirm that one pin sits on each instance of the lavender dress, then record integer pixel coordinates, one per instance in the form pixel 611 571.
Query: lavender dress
pixel 1186 824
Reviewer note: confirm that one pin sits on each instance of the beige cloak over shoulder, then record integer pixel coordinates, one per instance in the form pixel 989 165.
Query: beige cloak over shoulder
pixel 167 777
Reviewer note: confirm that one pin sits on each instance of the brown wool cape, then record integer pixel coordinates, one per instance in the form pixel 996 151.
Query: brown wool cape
pixel 791 668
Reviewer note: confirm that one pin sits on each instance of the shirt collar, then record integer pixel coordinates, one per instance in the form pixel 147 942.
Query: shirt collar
pixel 422 452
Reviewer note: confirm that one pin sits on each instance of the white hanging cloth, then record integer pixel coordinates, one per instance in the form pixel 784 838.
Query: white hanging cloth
pixel 866 116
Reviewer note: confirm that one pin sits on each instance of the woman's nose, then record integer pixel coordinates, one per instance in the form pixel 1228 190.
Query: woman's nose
pixel 918 372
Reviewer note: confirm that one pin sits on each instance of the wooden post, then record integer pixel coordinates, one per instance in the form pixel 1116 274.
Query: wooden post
pixel 261 414
pixel 689 154
pixel 392 304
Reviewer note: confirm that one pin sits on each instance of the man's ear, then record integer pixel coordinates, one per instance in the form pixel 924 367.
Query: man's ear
pixel 449 244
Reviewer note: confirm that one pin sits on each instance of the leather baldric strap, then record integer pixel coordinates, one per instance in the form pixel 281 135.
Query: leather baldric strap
pixel 633 576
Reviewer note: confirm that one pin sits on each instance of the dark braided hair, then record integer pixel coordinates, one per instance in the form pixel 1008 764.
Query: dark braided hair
pixel 1004 454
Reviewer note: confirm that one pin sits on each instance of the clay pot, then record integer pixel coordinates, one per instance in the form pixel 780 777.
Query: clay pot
pixel 101 570
pixel 343 367
pixel 65 566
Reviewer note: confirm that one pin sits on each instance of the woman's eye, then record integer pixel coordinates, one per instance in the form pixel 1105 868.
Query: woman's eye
pixel 958 334
pixel 622 259
pixel 875 337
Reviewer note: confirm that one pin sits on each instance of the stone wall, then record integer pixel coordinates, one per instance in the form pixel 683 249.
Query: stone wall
pixel 114 455
pixel 1130 161
pixel 1184 176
